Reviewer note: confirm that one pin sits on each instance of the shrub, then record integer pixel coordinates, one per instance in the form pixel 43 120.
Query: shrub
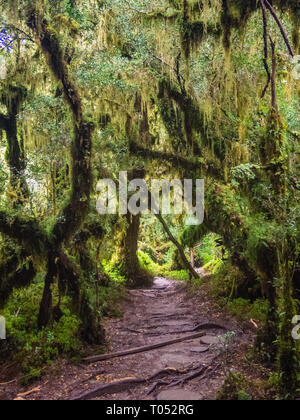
pixel 182 275
pixel 151 267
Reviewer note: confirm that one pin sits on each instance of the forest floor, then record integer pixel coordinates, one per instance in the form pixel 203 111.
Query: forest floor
pixel 193 369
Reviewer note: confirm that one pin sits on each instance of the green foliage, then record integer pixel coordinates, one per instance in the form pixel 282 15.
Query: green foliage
pixel 182 275
pixel 231 387
pixel 29 346
pixel 149 265
pixel 113 272
pixel 226 280
pixel 157 270
pixel 243 174
pixel 213 265
pixel 245 310
pixel 244 396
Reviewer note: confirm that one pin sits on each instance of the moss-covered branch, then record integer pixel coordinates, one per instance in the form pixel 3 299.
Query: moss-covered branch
pixel 27 232
pixel 3 122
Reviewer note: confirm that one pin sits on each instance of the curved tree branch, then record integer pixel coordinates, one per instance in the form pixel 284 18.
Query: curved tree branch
pixel 282 30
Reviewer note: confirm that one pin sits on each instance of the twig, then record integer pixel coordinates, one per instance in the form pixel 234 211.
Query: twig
pixel 20 31
pixel 8 383
pixel 273 78
pixel 265 60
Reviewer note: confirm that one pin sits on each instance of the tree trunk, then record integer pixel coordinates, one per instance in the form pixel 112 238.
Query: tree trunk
pixel 45 313
pixel 130 266
pixel 13 100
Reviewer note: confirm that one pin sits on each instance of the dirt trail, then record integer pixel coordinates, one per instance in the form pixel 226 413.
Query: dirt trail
pixel 164 312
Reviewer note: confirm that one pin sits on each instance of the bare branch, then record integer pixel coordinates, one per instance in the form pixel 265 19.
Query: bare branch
pixel 284 35
pixel 265 60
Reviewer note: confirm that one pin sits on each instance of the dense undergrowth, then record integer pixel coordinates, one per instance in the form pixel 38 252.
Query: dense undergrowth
pixel 34 349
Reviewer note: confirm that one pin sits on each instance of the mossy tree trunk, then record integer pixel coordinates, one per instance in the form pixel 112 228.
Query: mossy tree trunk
pixel 13 98
pixel 127 254
pixel 37 242
pixel 288 357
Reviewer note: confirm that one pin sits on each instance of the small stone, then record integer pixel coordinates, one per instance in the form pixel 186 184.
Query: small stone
pixel 178 395
pixel 210 340
pixel 199 349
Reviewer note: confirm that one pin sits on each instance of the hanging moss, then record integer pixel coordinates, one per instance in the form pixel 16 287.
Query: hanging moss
pixel 193 33
pixel 273 151
pixel 183 120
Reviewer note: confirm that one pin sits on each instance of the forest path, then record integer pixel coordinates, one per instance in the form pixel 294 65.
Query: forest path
pixel 192 369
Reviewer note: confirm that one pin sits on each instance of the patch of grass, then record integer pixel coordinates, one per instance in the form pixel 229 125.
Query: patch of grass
pixel 161 270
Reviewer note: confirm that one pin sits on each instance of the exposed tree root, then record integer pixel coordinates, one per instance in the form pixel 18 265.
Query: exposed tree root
pixel 156 385
pixel 128 383
pixel 136 350
pixel 122 385
pixel 200 371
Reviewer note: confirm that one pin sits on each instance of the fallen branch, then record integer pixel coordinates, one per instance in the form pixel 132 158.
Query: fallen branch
pixel 25 394
pixel 143 349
